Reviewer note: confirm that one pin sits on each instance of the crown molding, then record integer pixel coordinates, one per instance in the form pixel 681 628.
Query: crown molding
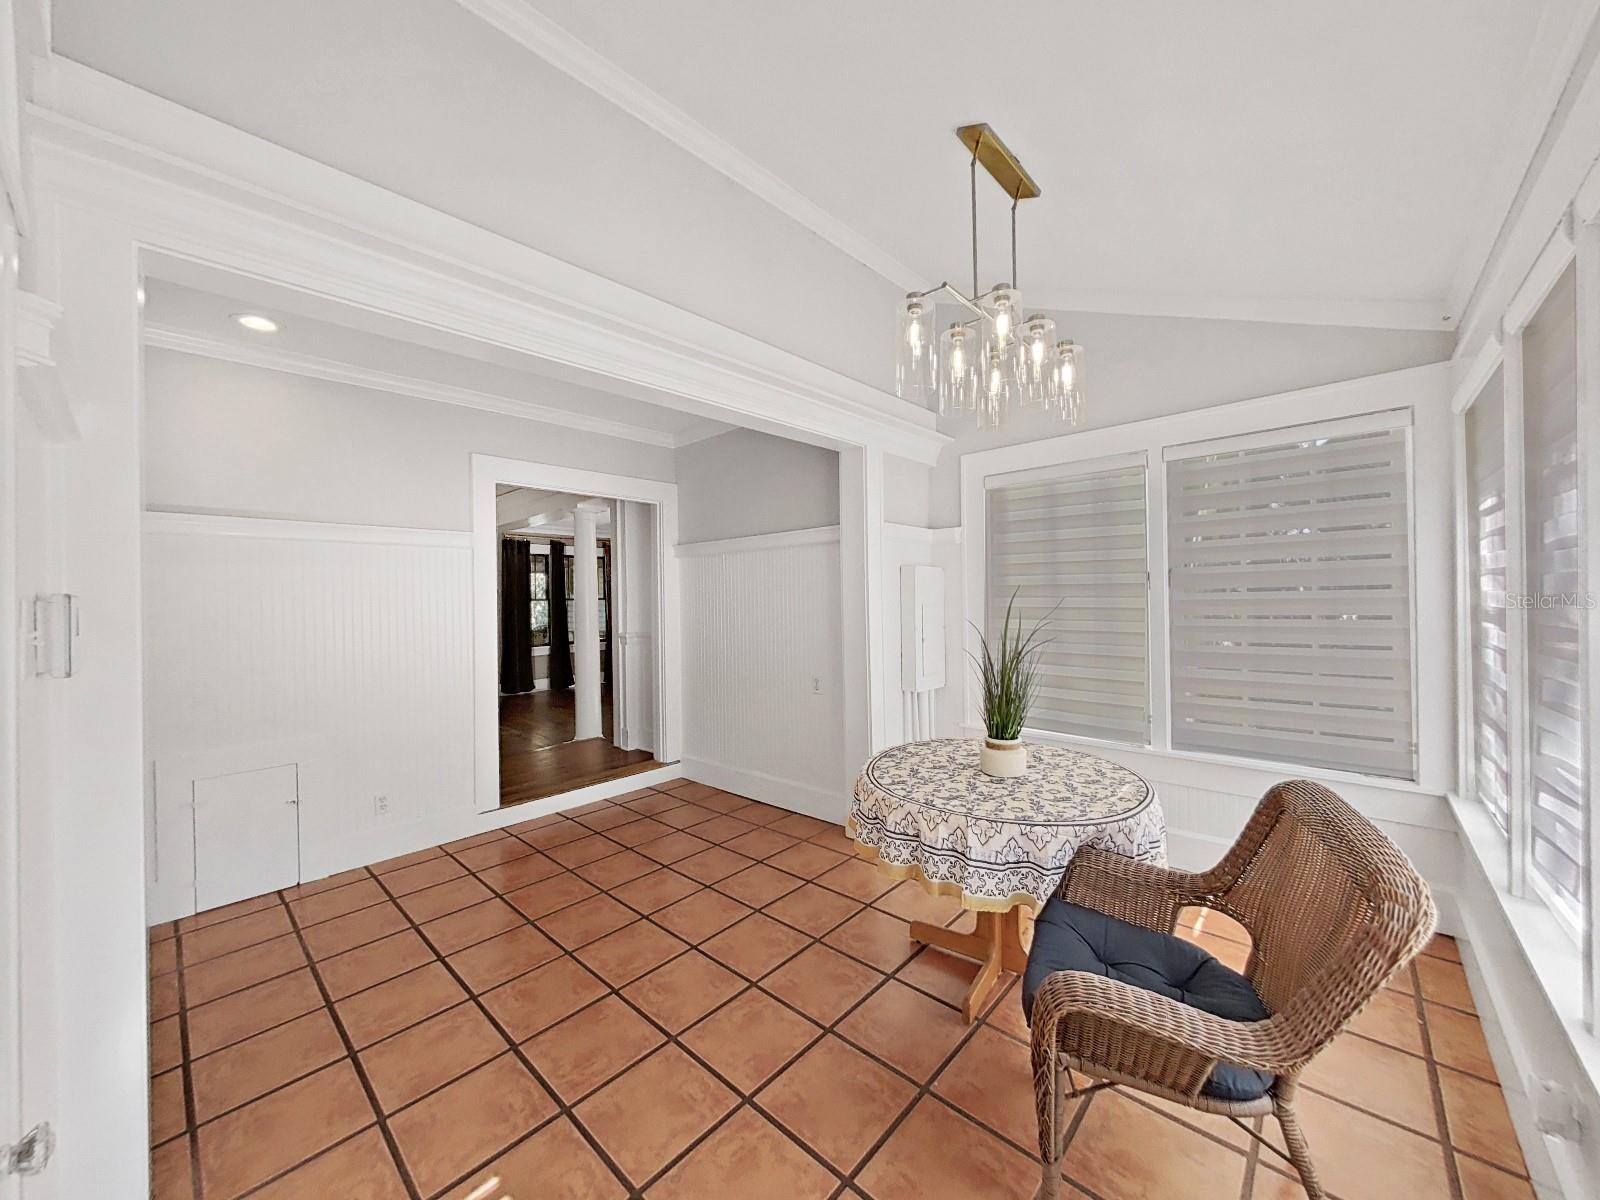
pixel 41 387
pixel 1426 316
pixel 537 33
pixel 273 358
pixel 36 323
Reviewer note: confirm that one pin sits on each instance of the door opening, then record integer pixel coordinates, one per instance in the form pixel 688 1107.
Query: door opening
pixel 576 626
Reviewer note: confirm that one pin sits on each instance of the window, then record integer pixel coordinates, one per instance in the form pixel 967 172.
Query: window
pixel 1553 600
pixel 539 607
pixel 1290 600
pixel 1077 540
pixel 1489 741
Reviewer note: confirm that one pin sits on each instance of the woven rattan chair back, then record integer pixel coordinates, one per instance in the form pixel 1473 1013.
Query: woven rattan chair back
pixel 1332 907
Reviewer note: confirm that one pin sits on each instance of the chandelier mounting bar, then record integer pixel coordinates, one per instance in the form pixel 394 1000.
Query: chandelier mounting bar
pixel 1003 165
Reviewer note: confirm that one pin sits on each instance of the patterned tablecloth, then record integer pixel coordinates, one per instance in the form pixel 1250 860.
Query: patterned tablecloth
pixel 926 812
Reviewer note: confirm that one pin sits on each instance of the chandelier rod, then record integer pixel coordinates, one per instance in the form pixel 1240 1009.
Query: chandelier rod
pixel 977 143
pixel 1015 200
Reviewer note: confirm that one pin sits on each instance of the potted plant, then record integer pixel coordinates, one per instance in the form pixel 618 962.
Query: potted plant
pixel 1010 678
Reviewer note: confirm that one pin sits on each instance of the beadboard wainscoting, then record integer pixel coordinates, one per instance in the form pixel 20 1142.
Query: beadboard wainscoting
pixel 344 650
pixel 762 668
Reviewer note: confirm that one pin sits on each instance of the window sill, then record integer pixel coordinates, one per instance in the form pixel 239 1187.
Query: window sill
pixel 1394 800
pixel 1548 951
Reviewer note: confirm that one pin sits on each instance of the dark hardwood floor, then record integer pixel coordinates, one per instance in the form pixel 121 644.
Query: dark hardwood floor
pixel 538 756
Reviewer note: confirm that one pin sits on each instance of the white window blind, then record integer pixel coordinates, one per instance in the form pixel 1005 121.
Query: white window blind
pixel 1554 552
pixel 1486 549
pixel 1078 540
pixel 1290 594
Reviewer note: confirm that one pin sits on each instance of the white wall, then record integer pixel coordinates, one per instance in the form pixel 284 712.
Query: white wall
pixel 762 703
pixel 906 491
pixel 744 483
pixel 1136 368
pixel 225 438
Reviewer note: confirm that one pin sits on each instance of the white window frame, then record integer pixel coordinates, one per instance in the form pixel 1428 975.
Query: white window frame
pixel 1423 392
pixel 1078 468
pixel 1375 422
pixel 1572 240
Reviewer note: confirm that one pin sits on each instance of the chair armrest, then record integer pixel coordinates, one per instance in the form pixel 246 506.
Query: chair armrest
pixel 1141 894
pixel 1147 1036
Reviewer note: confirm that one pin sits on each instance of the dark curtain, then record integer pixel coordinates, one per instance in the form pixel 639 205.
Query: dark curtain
pixel 605 591
pixel 560 640
pixel 516 618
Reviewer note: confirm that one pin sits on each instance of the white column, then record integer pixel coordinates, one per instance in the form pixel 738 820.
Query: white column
pixel 586 617
pixel 863 671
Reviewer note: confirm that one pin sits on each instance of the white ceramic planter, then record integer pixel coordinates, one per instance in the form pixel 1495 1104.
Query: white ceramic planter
pixel 1003 759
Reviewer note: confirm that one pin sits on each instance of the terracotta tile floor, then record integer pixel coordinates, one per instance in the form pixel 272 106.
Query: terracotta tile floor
pixel 682 994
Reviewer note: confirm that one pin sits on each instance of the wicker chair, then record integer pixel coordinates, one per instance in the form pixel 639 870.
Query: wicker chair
pixel 1333 908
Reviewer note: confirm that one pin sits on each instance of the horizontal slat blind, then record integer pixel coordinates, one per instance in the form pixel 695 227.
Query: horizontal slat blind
pixel 1291 603
pixel 1555 577
pixel 1078 540
pixel 1486 548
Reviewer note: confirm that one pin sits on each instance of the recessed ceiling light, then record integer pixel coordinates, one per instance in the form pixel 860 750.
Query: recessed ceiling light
pixel 256 323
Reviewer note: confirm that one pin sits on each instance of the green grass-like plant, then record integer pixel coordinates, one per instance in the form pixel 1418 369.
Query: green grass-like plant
pixel 1010 678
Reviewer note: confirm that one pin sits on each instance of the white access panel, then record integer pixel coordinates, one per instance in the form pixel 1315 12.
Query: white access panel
pixel 921 628
pixel 246 834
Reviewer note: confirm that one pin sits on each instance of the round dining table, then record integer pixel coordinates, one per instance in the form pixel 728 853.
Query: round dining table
pixel 924 811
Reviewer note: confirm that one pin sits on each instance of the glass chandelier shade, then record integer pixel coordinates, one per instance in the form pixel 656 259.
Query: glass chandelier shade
pixel 1003 308
pixel 994 395
pixel 916 366
pixel 958 371
pixel 1038 372
pixel 1069 382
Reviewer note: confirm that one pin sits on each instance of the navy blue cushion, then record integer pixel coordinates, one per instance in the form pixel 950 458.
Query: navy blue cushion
pixel 1069 937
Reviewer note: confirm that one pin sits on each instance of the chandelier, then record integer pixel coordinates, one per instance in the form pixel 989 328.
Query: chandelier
pixel 992 361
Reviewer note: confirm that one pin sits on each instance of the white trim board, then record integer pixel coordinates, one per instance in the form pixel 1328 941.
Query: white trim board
pixel 271 358
pixel 802 798
pixel 817 536
pixel 161 521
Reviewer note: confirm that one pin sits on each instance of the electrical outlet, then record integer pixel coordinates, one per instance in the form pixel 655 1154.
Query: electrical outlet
pixel 380 806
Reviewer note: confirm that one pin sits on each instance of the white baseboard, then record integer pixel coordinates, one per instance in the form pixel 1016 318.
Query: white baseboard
pixel 804 798
pixel 435 831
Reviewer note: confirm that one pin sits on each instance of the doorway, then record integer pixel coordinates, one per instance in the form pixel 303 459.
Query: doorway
pixel 575 595
pixel 561 618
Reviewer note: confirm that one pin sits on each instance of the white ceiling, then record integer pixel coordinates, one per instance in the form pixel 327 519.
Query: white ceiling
pixel 1281 159
pixel 191 307
pixel 1254 149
